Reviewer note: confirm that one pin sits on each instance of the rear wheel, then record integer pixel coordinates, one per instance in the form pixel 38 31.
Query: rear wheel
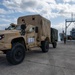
pixel 16 55
pixel 45 46
pixel 54 44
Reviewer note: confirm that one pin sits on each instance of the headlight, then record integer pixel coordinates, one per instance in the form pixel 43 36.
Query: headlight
pixel 1 36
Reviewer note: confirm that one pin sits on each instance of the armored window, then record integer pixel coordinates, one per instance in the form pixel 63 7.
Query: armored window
pixel 18 27
pixel 33 18
pixel 23 20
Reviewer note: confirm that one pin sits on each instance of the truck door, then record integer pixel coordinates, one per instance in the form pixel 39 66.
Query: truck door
pixel 31 36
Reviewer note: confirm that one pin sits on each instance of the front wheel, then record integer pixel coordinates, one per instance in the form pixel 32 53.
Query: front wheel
pixel 45 46
pixel 16 55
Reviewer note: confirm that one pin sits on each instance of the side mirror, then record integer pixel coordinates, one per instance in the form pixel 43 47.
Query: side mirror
pixel 36 29
pixel 23 26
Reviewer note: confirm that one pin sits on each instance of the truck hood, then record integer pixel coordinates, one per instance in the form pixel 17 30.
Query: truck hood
pixel 9 31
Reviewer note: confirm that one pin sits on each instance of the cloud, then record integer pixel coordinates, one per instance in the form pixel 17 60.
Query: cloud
pixel 8 19
pixel 37 6
pixel 5 22
pixel 59 26
pixel 3 26
pixel 69 0
pixel 2 11
pixel 45 7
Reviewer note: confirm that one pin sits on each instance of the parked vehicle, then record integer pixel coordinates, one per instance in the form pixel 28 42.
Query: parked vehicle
pixel 31 31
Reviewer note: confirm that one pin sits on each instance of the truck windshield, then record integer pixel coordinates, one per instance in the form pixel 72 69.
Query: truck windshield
pixel 10 28
pixel 18 27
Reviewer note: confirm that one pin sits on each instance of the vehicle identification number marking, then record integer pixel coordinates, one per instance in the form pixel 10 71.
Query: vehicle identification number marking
pixel 30 40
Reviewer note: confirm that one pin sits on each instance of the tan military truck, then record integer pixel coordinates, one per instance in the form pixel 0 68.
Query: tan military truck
pixel 30 32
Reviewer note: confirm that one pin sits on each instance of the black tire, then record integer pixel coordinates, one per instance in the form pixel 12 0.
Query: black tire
pixel 16 55
pixel 54 44
pixel 45 46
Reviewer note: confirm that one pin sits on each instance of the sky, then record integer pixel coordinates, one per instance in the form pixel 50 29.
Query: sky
pixel 54 10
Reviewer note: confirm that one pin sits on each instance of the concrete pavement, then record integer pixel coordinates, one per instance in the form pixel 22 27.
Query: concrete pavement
pixel 59 61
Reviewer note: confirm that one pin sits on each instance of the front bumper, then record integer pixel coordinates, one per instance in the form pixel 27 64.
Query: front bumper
pixel 5 46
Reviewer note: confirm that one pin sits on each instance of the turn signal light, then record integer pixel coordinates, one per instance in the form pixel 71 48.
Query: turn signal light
pixel 1 36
